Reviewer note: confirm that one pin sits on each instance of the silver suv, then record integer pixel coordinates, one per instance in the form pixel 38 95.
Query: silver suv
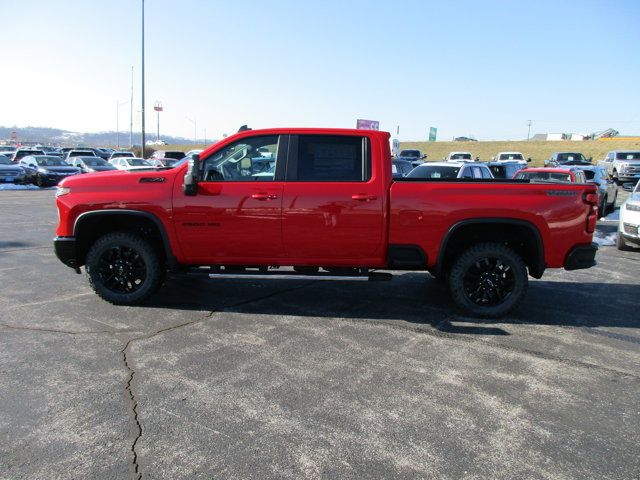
pixel 622 165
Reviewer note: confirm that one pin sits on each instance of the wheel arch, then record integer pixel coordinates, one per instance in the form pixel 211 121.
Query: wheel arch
pixel 89 226
pixel 521 235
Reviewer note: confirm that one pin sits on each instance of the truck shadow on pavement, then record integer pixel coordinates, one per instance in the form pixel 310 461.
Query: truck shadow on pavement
pixel 414 299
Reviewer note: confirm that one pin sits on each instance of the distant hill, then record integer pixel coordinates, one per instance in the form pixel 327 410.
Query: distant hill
pixel 58 137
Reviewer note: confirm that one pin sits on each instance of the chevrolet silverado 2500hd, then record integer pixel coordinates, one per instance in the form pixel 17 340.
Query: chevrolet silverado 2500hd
pixel 322 201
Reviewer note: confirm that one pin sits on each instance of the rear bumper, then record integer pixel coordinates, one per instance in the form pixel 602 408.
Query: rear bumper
pixel 582 256
pixel 65 248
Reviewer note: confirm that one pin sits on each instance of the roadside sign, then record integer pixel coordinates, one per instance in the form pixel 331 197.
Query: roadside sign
pixel 433 131
pixel 367 124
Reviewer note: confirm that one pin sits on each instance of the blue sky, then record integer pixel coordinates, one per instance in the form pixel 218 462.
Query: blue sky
pixel 466 67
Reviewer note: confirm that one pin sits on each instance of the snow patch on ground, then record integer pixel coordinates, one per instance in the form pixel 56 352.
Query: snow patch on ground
pixel 13 186
pixel 604 239
pixel 614 216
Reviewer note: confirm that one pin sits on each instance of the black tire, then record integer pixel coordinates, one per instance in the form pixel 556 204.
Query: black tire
pixel 488 280
pixel 603 209
pixel 616 180
pixel 612 207
pixel 124 269
pixel 621 244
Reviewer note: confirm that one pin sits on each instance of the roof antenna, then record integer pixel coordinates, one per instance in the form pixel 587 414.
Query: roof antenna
pixel 243 128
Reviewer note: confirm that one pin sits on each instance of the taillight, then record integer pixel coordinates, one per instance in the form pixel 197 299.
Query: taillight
pixel 592 216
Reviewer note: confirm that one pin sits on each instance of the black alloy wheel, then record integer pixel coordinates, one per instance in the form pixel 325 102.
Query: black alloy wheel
pixel 124 268
pixel 488 280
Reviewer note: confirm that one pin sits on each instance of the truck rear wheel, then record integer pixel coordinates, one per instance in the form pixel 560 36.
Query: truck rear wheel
pixel 488 280
pixel 124 269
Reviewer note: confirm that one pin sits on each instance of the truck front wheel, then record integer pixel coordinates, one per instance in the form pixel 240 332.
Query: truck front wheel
pixel 488 280
pixel 124 269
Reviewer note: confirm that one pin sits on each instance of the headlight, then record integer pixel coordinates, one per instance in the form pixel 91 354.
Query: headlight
pixel 622 167
pixel 62 191
pixel 633 207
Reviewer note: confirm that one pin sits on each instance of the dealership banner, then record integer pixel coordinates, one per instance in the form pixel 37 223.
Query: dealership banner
pixel 367 125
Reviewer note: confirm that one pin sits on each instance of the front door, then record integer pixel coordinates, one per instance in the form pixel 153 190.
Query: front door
pixel 236 215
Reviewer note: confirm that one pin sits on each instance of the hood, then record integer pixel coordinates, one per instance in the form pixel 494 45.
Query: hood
pixel 11 169
pixel 120 183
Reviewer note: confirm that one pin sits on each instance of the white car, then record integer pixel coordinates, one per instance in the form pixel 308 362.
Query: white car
pixel 510 157
pixel 459 156
pixel 629 221
pixel 128 163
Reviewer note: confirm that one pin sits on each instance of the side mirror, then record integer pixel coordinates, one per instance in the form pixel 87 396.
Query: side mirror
pixel 190 186
pixel 529 160
pixel 424 156
pixel 590 159
pixel 628 187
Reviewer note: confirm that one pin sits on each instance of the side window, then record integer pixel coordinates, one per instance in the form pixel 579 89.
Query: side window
pixel 609 157
pixel 329 158
pixel 247 160
pixel 477 172
pixel 466 173
pixel 485 172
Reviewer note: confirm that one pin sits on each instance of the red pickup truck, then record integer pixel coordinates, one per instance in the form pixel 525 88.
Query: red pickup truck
pixel 323 202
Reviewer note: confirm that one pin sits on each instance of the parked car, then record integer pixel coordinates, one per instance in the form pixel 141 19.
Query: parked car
pixel 91 164
pixel 191 153
pixel 414 156
pixel 504 169
pixel 330 203
pixel 46 170
pixel 100 152
pixel 572 175
pixel 459 156
pixel 622 165
pixel 121 154
pixel 10 172
pixel 7 150
pixel 162 154
pixel 567 158
pixel 607 190
pixel 629 220
pixel 510 157
pixel 20 153
pixel 451 169
pixel 400 168
pixel 78 153
pixel 130 163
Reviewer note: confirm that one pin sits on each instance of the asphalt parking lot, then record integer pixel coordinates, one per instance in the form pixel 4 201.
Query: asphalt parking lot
pixel 295 379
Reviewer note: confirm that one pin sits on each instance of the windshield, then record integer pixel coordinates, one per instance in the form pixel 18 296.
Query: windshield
pixel 544 176
pixel 511 156
pixel 174 155
pixel 410 153
pixel 628 156
pixel 122 154
pixel 82 153
pixel 138 162
pixel 460 156
pixel 590 174
pixel 570 157
pixel 51 162
pixel 434 171
pixel 4 160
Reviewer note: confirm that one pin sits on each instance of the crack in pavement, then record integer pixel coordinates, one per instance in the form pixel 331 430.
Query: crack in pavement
pixel 134 412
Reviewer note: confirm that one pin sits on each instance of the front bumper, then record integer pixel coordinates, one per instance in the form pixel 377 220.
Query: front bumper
pixel 582 256
pixel 65 248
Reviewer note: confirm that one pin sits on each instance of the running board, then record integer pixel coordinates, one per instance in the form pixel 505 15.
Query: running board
pixel 371 277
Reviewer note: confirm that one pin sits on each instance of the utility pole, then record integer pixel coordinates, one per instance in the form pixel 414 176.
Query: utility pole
pixel 528 131
pixel 195 130
pixel 131 113
pixel 142 112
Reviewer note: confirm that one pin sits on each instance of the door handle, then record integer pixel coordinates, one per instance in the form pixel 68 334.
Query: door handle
pixel 263 196
pixel 363 197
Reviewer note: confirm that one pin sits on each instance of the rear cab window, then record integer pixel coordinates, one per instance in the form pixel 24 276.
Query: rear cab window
pixel 329 158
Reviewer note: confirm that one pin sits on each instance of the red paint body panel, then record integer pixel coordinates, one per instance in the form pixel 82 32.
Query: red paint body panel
pixel 324 223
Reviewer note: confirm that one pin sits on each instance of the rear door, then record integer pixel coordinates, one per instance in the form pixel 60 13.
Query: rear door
pixel 333 203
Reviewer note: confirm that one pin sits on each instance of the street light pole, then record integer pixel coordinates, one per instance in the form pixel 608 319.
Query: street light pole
pixel 529 130
pixel 142 112
pixel 118 105
pixel 158 108
pixel 195 130
pixel 131 113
